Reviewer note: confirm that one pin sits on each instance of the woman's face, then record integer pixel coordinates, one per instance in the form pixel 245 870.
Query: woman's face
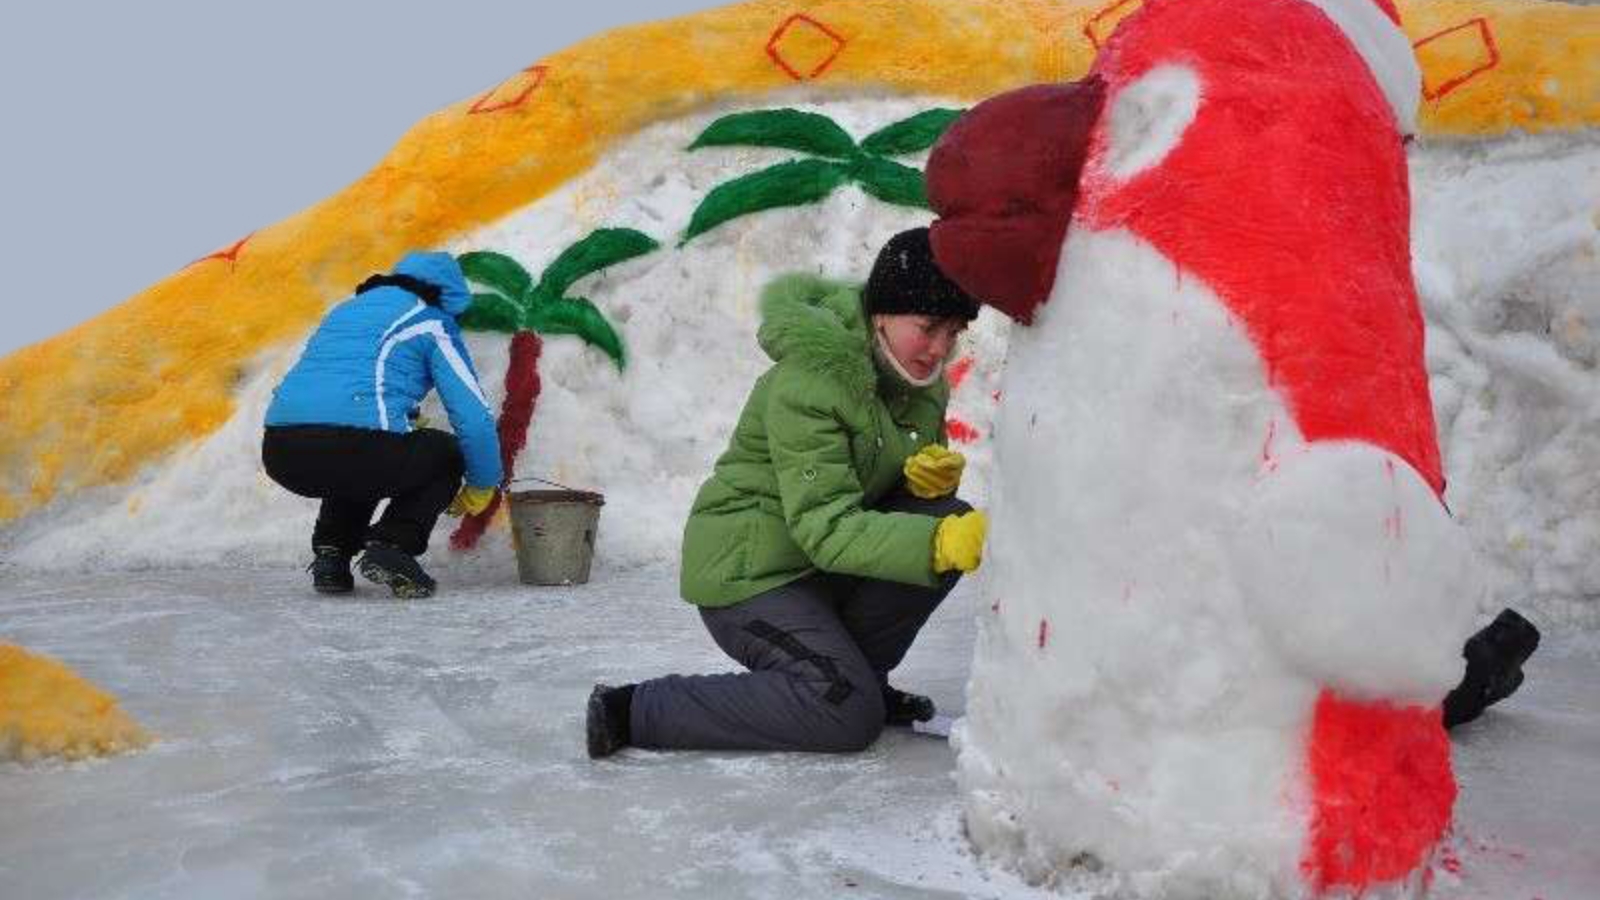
pixel 919 343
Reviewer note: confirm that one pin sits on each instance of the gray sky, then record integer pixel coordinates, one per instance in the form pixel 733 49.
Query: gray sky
pixel 141 136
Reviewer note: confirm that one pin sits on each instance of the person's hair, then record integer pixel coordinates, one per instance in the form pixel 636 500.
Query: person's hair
pixel 427 293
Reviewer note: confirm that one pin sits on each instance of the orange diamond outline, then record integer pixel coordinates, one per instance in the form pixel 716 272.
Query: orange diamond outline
pixel 1485 34
pixel 782 30
pixel 1088 27
pixel 482 104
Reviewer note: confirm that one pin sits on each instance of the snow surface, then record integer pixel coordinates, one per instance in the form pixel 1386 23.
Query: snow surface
pixel 315 747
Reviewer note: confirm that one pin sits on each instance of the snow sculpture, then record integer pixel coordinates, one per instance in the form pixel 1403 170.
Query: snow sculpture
pixel 1226 594
pixel 49 711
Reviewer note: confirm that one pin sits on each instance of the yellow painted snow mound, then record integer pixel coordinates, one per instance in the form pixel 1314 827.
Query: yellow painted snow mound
pixel 47 710
pixel 96 404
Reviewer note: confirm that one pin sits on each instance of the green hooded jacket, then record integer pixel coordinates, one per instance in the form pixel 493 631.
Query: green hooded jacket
pixel 823 437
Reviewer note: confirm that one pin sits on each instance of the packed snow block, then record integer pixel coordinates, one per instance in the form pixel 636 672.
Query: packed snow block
pixel 100 403
pixel 47 710
pixel 1227 594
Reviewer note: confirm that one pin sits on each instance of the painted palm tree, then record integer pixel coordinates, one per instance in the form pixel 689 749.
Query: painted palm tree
pixel 835 160
pixel 515 304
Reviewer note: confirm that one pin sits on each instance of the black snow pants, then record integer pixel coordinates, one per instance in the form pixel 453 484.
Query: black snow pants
pixel 352 470
pixel 818 652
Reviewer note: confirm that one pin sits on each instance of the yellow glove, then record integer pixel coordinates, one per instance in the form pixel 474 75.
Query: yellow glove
pixel 934 471
pixel 958 542
pixel 470 501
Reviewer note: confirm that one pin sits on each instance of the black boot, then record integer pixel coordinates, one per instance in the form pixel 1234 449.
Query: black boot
pixel 607 725
pixel 1494 667
pixel 388 565
pixel 901 708
pixel 330 571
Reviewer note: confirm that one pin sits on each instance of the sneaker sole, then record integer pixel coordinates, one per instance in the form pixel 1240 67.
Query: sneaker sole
pixel 399 585
pixel 333 589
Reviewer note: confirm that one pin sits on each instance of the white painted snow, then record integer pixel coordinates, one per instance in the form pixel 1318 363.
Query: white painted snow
pixel 1147 118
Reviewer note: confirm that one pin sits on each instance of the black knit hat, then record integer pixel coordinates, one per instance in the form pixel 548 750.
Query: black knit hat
pixel 905 279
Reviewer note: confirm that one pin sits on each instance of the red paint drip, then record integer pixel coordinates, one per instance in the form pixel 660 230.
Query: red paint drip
pixel 1266 446
pixel 961 431
pixel 516 413
pixel 959 372
pixel 230 255
pixel 1044 632
pixel 531 77
pixel 1382 792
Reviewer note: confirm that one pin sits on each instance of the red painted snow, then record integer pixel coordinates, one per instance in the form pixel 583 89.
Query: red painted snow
pixel 959 372
pixel 1287 195
pixel 1382 791
pixel 960 431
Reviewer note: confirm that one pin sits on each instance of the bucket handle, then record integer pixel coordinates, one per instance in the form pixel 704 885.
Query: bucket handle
pixel 543 481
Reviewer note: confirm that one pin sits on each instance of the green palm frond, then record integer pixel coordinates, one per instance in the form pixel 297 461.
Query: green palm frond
pixel 793 183
pixel 498 271
pixel 601 249
pixel 802 181
pixel 492 312
pixel 786 129
pixel 912 135
pixel 891 182
pixel 577 316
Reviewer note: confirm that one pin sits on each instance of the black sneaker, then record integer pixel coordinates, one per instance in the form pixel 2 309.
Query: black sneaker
pixel 388 565
pixel 901 708
pixel 607 719
pixel 1494 667
pixel 330 571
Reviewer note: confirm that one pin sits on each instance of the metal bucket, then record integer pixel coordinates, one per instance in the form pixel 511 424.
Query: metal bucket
pixel 554 534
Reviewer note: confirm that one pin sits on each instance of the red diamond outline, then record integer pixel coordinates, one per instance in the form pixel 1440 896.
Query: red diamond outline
pixel 229 254
pixel 1088 27
pixel 539 73
pixel 1485 33
pixel 840 42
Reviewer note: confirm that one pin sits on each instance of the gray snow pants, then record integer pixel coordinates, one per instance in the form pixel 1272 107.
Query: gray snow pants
pixel 818 651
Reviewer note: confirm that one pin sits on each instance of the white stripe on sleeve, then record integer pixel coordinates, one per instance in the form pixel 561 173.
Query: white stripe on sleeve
pixel 457 365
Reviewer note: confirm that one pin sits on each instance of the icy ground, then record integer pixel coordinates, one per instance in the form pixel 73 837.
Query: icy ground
pixel 314 747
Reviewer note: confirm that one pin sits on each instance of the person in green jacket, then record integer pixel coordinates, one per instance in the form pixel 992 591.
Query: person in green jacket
pixel 828 531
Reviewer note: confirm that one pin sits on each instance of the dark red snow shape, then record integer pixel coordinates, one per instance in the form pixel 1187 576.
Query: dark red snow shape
pixel 516 412
pixel 1004 181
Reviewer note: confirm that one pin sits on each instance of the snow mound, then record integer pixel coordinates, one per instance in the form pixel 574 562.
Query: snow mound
pixel 1506 249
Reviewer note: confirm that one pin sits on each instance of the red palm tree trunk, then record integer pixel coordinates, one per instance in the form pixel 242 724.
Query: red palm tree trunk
pixel 516 411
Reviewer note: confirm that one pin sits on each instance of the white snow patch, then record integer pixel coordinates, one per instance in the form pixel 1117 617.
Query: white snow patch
pixel 1148 117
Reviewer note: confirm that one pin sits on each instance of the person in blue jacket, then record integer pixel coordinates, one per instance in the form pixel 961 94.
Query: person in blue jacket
pixel 339 428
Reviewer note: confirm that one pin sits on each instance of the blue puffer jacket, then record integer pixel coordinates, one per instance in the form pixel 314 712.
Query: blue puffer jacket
pixel 376 355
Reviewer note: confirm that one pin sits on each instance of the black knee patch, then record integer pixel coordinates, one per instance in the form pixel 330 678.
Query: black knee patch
pixel 839 687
